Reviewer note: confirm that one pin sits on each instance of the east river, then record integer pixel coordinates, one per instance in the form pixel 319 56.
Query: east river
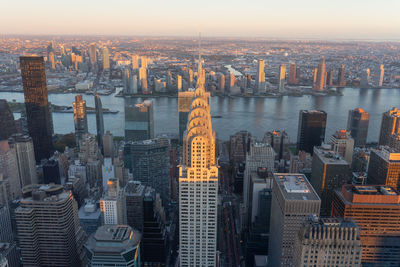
pixel 256 115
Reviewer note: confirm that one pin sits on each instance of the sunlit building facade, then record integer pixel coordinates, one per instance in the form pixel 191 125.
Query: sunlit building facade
pixel 80 118
pixel 198 186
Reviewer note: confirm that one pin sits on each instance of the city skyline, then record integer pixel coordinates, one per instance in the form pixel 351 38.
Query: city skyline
pixel 313 19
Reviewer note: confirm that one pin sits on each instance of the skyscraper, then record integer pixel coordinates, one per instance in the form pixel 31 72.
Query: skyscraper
pixel 40 122
pixel 343 145
pixel 184 102
pixel 221 83
pixel 311 131
pixel 282 77
pixel 48 227
pixel 92 54
pixel 329 172
pixel 384 167
pixel 111 204
pixel 292 74
pixel 99 120
pixel 106 59
pixel 25 158
pixel 80 117
pixel 179 83
pixel 114 245
pixel 390 125
pixel 329 78
pixel 260 155
pixel 9 170
pixel 379 76
pixel 326 242
pixel 135 61
pixel 321 81
pixel 7 120
pixel 376 210
pixel 139 122
pixel 357 124
pixel 341 81
pixel 198 186
pixel 260 82
pixel 293 200
pixel 365 79
pixel 134 193
pixel 148 161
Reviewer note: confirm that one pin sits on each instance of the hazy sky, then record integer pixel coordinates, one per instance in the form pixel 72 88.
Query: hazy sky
pixel 326 19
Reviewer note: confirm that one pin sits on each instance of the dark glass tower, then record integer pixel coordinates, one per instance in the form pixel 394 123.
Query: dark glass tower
pixel 40 122
pixel 80 118
pixel 99 120
pixel 6 121
pixel 311 131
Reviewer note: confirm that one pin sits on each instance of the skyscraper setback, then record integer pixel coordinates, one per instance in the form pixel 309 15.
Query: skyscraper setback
pixel 198 186
pixel 40 122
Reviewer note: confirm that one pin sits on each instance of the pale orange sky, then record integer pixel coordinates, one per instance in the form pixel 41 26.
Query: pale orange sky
pixel 348 19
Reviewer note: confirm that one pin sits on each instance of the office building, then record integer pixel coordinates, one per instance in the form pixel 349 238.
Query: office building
pixel 99 120
pixel 155 237
pixel 108 145
pixel 379 76
pixel 7 121
pixel 329 172
pixel 112 205
pixel 48 228
pixel 179 83
pixel 376 210
pixel 6 232
pixel 343 145
pixel 365 79
pixel 135 61
pixel 293 200
pixel 282 78
pixel 184 102
pixel 89 216
pixel 106 59
pixel 341 80
pixel 260 82
pixel 9 170
pixel 148 161
pixel 329 78
pixel 390 125
pixel 320 81
pixel 311 131
pixel 92 54
pixel 384 167
pixel 51 172
pixel 357 125
pixel 292 74
pixel 221 83
pixel 134 193
pixel 328 242
pixel 279 142
pixel 198 186
pixel 23 146
pixel 40 122
pixel 139 121
pixel 80 117
pixel 114 245
pixel 260 155
pixel 239 146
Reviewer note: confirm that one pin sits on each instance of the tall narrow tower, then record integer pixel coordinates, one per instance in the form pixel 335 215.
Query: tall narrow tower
pixel 320 83
pixel 99 120
pixel 80 118
pixel 198 185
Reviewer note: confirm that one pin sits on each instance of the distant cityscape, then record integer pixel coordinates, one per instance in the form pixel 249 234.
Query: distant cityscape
pixel 192 199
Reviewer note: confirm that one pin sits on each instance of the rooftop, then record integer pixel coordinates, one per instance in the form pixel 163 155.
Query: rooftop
pixel 387 153
pixel 89 212
pixel 114 238
pixel 369 194
pixel 295 186
pixel 328 156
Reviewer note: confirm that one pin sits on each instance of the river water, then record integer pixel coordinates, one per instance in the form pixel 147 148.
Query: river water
pixel 256 115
